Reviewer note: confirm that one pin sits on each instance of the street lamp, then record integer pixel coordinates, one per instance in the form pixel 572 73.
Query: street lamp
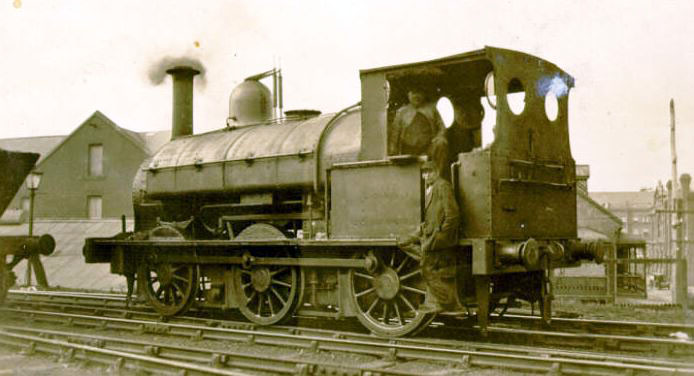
pixel 32 183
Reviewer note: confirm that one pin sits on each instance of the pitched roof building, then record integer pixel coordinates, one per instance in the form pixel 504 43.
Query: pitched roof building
pixel 86 187
pixel 88 173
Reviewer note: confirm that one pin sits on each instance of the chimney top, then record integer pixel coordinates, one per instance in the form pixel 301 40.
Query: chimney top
pixel 183 69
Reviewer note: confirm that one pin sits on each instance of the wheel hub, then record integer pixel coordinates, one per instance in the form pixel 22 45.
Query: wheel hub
pixel 165 274
pixel 387 284
pixel 260 278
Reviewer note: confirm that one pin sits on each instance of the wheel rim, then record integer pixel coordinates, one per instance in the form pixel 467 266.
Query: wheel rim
pixel 3 281
pixel 267 294
pixel 170 288
pixel 387 300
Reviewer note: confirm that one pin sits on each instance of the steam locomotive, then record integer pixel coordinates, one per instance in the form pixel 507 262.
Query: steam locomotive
pixel 301 215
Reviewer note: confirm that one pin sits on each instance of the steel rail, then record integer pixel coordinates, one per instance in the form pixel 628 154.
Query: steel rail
pixel 645 328
pixel 501 356
pixel 567 340
pixel 205 322
pixel 116 359
pixel 216 358
pixel 652 329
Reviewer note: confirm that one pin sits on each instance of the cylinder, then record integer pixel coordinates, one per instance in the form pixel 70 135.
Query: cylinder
pixel 526 253
pixel 588 250
pixel 26 245
pixel 182 116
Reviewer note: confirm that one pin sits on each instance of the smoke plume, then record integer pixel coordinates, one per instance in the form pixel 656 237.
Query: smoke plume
pixel 157 71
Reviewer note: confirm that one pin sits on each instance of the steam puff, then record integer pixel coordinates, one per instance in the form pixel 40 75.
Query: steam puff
pixel 554 84
pixel 157 71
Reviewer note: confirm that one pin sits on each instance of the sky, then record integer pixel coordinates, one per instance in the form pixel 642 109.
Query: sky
pixel 63 60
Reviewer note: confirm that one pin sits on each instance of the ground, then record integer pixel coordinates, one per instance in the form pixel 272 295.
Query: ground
pixel 657 308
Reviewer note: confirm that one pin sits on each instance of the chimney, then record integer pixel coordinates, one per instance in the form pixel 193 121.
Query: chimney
pixel 182 117
pixel 582 175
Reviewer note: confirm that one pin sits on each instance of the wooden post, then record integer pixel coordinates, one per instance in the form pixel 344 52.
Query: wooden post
pixel 673 197
pixel 673 146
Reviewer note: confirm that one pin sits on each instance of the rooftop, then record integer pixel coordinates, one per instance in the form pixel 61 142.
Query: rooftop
pixel 622 200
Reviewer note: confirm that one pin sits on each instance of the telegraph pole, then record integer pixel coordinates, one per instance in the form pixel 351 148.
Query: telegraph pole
pixel 678 202
pixel 673 147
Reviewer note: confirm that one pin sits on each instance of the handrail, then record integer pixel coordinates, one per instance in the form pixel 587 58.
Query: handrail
pixel 320 142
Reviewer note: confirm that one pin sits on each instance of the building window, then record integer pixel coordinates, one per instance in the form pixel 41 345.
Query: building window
pixel 96 160
pixel 94 207
pixel 25 204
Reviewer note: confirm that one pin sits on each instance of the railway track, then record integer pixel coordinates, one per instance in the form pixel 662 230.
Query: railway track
pixel 606 336
pixel 458 354
pixel 649 329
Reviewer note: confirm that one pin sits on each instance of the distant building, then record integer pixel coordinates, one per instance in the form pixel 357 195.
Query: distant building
pixel 595 221
pixel 634 209
pixel 85 188
pixel 87 174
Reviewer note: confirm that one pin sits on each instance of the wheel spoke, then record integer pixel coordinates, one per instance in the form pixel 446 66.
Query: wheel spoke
pixel 167 295
pixel 402 264
pixel 417 291
pixel 372 289
pixel 177 287
pixel 246 285
pixel 392 259
pixel 385 317
pixel 260 303
pixel 253 295
pixel 410 275
pixel 277 294
pixel 178 277
pixel 397 313
pixel 368 311
pixel 407 302
pixel 278 271
pixel 245 272
pixel 269 302
pixel 281 283
pixel 362 275
pixel 176 297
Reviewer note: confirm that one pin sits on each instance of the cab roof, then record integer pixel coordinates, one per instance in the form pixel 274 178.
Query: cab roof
pixel 496 56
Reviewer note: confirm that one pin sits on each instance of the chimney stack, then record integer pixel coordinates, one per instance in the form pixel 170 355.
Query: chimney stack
pixel 182 117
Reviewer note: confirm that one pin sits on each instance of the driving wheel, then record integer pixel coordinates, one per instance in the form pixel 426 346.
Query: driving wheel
pixel 267 294
pixel 387 298
pixel 170 288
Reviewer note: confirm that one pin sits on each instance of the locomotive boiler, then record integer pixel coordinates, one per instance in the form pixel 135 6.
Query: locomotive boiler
pixel 301 215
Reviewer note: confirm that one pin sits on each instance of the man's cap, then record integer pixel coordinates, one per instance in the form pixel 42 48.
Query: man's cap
pixel 428 166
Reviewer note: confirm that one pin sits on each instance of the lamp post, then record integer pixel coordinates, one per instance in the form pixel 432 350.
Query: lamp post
pixel 32 183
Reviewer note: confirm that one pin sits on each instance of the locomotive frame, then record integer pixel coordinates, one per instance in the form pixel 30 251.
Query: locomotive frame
pixel 303 215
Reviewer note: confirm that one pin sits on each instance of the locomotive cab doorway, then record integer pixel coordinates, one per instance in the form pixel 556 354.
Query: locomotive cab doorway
pixel 452 100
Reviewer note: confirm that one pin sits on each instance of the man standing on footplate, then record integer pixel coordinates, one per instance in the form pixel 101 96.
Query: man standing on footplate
pixel 435 242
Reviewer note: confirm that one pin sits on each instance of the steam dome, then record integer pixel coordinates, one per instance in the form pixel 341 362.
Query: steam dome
pixel 250 102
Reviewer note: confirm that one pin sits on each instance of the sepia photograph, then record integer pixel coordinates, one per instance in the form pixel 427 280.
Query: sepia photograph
pixel 258 187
